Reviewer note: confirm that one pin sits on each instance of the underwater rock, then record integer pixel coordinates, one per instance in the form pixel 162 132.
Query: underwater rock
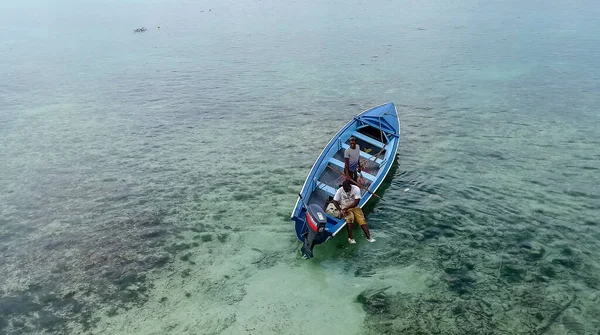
pixel 567 262
pixel 364 271
pixel 476 244
pixel 547 271
pixel 462 281
pixel 432 232
pixel 418 236
pixel 111 311
pixel 177 247
pixel 451 267
pixel 448 233
pixel 512 272
pixel 533 250
pixel 130 279
pixel 374 301
pixel 548 321
pixel 42 308
pixel 404 236
pixel 445 252
pixel 574 326
pixel 153 233
pixel 430 282
pixel 157 260
pixel 592 282
pixel 568 251
pixel 496 307
pixel 433 314
pixel 486 307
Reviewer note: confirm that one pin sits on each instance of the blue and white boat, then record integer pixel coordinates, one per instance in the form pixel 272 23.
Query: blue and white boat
pixel 377 132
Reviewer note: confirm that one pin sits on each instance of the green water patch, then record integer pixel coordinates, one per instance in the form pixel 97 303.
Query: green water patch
pixel 279 190
pixel 385 184
pixel 182 246
pixel 529 310
pixel 285 217
pixel 243 196
pixel 35 308
pixel 279 171
pixel 491 278
pixel 201 228
pixel 110 271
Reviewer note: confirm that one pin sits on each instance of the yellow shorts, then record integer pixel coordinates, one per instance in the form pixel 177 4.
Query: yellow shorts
pixel 355 214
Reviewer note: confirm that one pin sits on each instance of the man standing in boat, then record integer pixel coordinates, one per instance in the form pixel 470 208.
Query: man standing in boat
pixel 352 160
pixel 346 200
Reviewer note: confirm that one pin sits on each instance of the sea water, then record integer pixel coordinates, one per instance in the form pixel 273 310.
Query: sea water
pixel 147 179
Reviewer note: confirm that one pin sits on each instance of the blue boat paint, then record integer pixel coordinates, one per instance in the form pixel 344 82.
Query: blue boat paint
pixel 383 117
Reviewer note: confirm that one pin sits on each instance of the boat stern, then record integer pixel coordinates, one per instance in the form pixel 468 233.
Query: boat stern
pixel 311 229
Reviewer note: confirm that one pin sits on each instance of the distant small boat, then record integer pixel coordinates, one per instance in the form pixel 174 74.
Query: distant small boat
pixel 377 132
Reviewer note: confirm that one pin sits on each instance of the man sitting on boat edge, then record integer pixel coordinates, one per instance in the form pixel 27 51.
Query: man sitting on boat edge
pixel 345 200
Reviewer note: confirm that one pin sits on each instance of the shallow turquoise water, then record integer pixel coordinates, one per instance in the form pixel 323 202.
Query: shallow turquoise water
pixel 147 179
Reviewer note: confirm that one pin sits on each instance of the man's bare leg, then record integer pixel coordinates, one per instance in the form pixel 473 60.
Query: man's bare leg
pixel 365 229
pixel 349 226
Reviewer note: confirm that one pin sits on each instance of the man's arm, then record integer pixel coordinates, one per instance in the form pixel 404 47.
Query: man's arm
pixel 358 163
pixel 347 166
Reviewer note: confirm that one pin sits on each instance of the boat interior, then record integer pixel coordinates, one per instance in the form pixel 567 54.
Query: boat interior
pixel 372 144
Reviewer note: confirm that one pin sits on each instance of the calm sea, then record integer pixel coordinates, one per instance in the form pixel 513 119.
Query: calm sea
pixel 146 179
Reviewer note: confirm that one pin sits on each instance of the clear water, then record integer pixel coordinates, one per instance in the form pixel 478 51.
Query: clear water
pixel 147 178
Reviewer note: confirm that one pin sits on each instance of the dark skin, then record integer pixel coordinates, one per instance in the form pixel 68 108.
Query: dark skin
pixel 347 161
pixel 343 211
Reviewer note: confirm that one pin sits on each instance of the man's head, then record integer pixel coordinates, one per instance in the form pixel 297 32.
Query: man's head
pixel 347 185
pixel 353 142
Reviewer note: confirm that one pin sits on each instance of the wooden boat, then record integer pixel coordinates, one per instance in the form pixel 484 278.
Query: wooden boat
pixel 377 132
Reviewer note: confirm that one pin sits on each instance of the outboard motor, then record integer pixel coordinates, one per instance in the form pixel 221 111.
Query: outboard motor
pixel 315 222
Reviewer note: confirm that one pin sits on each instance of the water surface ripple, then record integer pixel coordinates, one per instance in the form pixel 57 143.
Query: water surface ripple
pixel 147 179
